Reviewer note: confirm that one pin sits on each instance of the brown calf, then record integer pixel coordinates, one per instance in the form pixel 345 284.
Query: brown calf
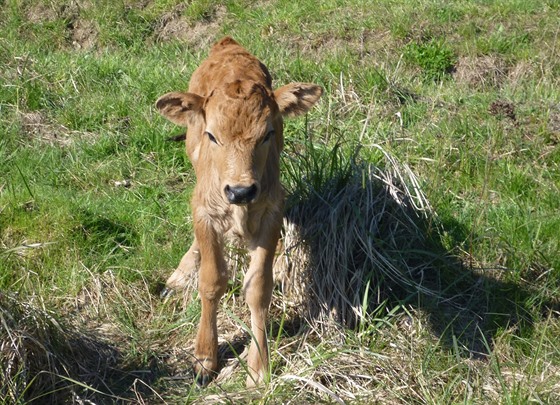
pixel 234 139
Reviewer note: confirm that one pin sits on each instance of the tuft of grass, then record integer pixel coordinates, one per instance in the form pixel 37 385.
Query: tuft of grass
pixel 436 59
pixel 345 219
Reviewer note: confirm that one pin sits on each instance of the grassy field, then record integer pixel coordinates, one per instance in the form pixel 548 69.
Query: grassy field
pixel 461 96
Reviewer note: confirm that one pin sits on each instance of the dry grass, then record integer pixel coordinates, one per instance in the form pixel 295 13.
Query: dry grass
pixel 481 71
pixel 347 239
pixel 36 126
pixel 45 360
pixel 198 34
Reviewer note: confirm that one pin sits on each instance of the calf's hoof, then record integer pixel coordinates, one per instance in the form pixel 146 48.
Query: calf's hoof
pixel 202 380
pixel 254 379
pixel 166 293
pixel 205 371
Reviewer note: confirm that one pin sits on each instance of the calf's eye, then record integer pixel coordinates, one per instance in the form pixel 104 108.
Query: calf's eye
pixel 268 136
pixel 211 137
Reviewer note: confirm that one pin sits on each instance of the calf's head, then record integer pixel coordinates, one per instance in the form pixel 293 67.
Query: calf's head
pixel 235 133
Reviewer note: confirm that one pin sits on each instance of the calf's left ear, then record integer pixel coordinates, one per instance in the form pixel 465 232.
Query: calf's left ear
pixel 179 107
pixel 297 98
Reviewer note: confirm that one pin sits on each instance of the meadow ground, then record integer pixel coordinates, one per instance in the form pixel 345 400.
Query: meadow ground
pixel 425 189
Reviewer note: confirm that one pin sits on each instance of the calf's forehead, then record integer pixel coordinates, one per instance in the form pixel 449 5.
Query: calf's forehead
pixel 244 110
pixel 237 121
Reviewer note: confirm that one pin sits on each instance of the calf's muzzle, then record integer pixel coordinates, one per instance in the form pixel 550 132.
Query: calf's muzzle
pixel 241 194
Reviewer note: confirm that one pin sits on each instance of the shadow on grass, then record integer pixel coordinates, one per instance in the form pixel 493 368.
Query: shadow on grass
pixel 47 361
pixel 361 237
pixel 470 305
pixel 106 238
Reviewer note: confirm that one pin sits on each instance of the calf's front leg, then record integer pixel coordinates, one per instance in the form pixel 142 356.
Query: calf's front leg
pixel 258 284
pixel 211 286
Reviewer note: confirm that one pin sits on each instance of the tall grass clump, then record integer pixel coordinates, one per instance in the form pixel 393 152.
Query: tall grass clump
pixel 351 230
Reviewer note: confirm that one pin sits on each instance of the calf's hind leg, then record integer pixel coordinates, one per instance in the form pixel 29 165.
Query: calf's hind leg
pixel 180 277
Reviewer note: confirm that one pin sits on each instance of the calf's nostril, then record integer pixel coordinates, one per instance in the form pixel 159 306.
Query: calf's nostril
pixel 240 194
pixel 251 192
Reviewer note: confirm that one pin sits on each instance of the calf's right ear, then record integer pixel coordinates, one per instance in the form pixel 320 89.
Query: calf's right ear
pixel 179 107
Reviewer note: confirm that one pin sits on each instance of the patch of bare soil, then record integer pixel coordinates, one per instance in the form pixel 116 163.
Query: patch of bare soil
pixel 482 71
pixel 83 34
pixel 318 43
pixel 201 34
pixel 35 125
pixel 41 12
pixel 502 108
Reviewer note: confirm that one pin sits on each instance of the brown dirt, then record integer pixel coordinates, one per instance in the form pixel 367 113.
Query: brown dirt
pixel 481 71
pixel 199 34
pixel 502 108
pixel 36 125
pixel 83 34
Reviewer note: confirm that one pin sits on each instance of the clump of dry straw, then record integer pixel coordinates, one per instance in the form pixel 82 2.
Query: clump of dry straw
pixel 351 231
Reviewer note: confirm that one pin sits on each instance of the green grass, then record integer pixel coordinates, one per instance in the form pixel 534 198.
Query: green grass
pixel 465 93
